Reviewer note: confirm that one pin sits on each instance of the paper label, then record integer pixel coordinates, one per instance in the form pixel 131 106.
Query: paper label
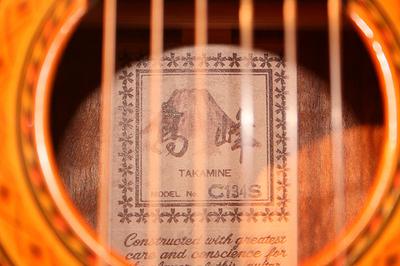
pixel 245 219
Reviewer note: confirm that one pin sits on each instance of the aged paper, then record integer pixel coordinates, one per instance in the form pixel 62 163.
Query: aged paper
pixel 246 218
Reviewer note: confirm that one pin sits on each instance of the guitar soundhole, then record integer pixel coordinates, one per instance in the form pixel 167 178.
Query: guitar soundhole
pixel 75 104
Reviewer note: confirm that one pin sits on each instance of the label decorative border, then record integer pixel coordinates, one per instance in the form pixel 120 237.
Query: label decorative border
pixel 279 213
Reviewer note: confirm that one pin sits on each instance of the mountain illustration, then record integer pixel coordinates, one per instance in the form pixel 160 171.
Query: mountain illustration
pixel 178 123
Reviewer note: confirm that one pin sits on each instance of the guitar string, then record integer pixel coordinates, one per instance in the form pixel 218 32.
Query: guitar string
pixel 108 68
pixel 334 28
pixel 246 21
pixel 290 52
pixel 155 86
pixel 200 123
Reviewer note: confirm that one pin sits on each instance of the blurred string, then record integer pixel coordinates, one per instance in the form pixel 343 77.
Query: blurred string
pixel 108 69
pixel 334 29
pixel 155 86
pixel 290 49
pixel 200 124
pixel 246 20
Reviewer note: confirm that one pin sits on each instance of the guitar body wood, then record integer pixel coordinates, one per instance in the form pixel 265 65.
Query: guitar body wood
pixel 41 225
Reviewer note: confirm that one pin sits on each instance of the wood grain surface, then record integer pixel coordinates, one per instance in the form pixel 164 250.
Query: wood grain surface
pixel 75 121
